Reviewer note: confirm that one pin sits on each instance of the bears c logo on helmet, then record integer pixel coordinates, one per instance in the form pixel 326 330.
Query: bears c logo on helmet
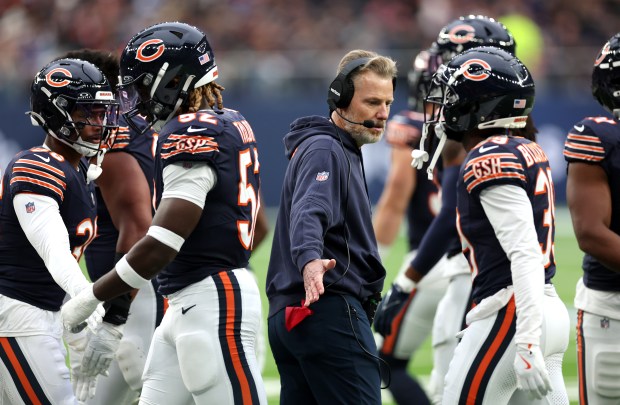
pixel 604 52
pixel 460 38
pixel 149 58
pixel 479 76
pixel 55 82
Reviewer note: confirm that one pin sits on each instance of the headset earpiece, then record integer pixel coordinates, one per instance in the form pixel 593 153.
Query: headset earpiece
pixel 341 89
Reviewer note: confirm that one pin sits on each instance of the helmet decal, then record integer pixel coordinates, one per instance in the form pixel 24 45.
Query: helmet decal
pixel 455 37
pixel 479 76
pixel 604 52
pixel 55 82
pixel 149 58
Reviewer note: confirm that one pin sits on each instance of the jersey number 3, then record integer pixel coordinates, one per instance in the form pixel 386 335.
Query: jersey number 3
pixel 247 195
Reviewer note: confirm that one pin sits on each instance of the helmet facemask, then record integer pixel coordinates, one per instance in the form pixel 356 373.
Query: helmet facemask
pixel 69 96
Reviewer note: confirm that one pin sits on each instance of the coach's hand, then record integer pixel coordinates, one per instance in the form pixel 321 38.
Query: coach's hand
pixel 532 375
pixel 101 349
pixel 395 302
pixel 313 278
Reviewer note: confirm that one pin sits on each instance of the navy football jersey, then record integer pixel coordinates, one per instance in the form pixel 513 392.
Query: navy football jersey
pixel 596 140
pixel 405 130
pixel 503 160
pixel 100 253
pixel 223 237
pixel 23 275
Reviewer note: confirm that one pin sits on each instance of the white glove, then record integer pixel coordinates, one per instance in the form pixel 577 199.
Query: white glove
pixel 101 348
pixel 419 158
pixel 532 375
pixel 83 385
pixel 83 307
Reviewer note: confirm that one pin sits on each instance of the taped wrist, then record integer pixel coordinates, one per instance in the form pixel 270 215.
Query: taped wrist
pixel 117 309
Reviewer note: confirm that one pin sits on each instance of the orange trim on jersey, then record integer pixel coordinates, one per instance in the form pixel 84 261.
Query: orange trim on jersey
pixel 42 174
pixel 494 177
pixel 390 340
pixel 38 183
pixel 488 357
pixel 165 304
pixel 43 165
pixel 586 138
pixel 581 368
pixel 230 338
pixel 585 147
pixel 582 156
pixel 4 342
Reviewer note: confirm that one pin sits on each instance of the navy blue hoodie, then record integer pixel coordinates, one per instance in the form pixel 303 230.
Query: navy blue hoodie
pixel 323 186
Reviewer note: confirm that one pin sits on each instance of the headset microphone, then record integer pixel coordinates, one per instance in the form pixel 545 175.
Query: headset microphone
pixel 366 123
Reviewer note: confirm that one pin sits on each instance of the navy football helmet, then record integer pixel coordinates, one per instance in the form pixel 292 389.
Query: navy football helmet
pixel 159 67
pixel 73 87
pixel 606 76
pixel 471 31
pixel 484 87
pixel 425 64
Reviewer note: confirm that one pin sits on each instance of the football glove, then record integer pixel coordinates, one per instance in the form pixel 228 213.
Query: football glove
pixel 395 302
pixel 101 348
pixel 532 375
pixel 83 385
pixel 81 310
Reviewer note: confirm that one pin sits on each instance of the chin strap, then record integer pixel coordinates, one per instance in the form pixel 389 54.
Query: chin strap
pixel 441 134
pixel 95 170
pixel 420 156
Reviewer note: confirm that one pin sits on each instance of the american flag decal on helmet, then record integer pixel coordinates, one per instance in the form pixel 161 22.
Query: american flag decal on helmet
pixel 204 58
pixel 322 176
pixel 519 103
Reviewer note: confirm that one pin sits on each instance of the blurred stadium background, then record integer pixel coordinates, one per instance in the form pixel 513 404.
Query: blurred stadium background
pixel 277 57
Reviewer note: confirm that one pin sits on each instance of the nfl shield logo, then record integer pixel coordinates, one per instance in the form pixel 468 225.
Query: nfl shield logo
pixel 605 323
pixel 322 176
pixel 30 207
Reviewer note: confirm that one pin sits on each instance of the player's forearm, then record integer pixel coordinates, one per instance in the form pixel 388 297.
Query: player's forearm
pixel 601 243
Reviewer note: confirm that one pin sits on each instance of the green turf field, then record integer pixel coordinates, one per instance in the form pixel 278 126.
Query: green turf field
pixel 568 258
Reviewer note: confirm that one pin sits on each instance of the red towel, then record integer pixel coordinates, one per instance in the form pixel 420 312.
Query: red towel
pixel 294 315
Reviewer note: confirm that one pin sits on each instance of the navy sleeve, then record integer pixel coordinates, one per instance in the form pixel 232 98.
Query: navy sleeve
pixel 315 204
pixel 442 230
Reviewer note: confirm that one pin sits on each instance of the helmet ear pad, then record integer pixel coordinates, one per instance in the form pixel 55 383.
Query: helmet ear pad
pixel 341 89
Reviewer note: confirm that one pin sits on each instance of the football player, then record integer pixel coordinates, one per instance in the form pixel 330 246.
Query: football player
pixel 517 333
pixel 409 192
pixel 593 195
pixel 47 218
pixel 124 192
pixel 407 312
pixel 199 243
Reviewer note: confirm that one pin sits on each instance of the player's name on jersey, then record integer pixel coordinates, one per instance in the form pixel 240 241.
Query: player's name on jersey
pixel 247 135
pixel 532 153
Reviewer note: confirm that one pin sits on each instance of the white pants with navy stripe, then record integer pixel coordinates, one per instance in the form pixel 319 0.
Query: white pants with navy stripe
pixel 203 352
pixel 481 371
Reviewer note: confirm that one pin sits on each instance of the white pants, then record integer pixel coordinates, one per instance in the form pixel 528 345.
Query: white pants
pixel 33 369
pixel 598 359
pixel 449 320
pixel 123 384
pixel 417 322
pixel 32 356
pixel 203 351
pixel 481 371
